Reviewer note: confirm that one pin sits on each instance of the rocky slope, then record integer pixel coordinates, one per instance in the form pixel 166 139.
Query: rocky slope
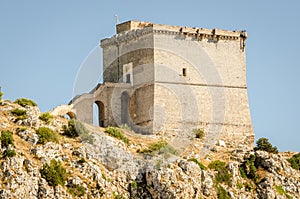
pixel 101 166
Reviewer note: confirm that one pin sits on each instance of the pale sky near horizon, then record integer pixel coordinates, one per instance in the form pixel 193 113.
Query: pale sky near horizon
pixel 44 43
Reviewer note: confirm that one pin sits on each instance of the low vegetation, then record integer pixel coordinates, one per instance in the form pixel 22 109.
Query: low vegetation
pixel 263 144
pixel 46 135
pixel 199 133
pixel 25 102
pixel 8 153
pixel 76 190
pixel 19 114
pixel 223 174
pixel 222 193
pixel 202 167
pixel 70 130
pixel 6 139
pixel 281 191
pixel 21 129
pixel 295 161
pixel 160 147
pixel 54 173
pixel 116 132
pixel 248 168
pixel 75 128
pixel 46 117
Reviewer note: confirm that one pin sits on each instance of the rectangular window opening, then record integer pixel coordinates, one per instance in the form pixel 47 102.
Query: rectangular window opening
pixel 127 73
pixel 184 72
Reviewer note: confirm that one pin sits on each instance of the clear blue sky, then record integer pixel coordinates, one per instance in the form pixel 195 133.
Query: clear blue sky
pixel 43 44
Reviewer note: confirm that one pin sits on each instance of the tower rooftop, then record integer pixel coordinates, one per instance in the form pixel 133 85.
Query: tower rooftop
pixel 135 25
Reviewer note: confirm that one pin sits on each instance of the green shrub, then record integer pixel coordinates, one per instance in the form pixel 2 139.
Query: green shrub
pixel 156 146
pixel 295 161
pixel 118 196
pixel 8 153
pixel 76 190
pixel 25 102
pixel 46 135
pixel 134 184
pixel 281 191
pixel 46 117
pixel 70 130
pixel 199 133
pixel 263 144
pixel 202 167
pixel 222 193
pixel 249 187
pixel 21 129
pixel 81 161
pixel 19 113
pixel 115 132
pixel 6 138
pixel 248 168
pixel 54 173
pixel 160 147
pixel 239 185
pixel 76 128
pixel 1 94
pixel 223 174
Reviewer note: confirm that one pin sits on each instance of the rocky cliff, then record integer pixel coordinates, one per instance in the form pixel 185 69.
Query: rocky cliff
pixel 92 162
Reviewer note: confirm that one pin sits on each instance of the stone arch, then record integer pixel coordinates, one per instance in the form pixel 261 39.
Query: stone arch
pixel 64 111
pixel 71 114
pixel 125 98
pixel 101 113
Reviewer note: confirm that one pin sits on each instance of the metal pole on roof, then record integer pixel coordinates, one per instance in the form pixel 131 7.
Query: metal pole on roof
pixel 117 19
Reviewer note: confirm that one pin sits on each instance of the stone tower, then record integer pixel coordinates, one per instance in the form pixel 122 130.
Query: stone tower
pixel 169 80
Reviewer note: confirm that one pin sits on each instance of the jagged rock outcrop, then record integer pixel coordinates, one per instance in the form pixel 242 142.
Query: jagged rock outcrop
pixel 109 168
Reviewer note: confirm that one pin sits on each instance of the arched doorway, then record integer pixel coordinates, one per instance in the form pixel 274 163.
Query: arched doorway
pixel 101 113
pixel 125 108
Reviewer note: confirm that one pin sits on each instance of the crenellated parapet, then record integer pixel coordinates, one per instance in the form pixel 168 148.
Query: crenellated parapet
pixel 131 30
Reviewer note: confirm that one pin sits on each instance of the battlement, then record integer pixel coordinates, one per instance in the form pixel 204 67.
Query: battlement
pixel 200 32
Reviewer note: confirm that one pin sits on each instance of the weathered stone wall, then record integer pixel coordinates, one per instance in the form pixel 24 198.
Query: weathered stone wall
pixel 134 49
pixel 211 95
pixel 83 106
pixel 128 48
pixel 141 110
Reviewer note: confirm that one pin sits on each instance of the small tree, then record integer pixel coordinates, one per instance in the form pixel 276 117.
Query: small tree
pixel 248 168
pixel 295 161
pixel 6 138
pixel 263 144
pixel 1 94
